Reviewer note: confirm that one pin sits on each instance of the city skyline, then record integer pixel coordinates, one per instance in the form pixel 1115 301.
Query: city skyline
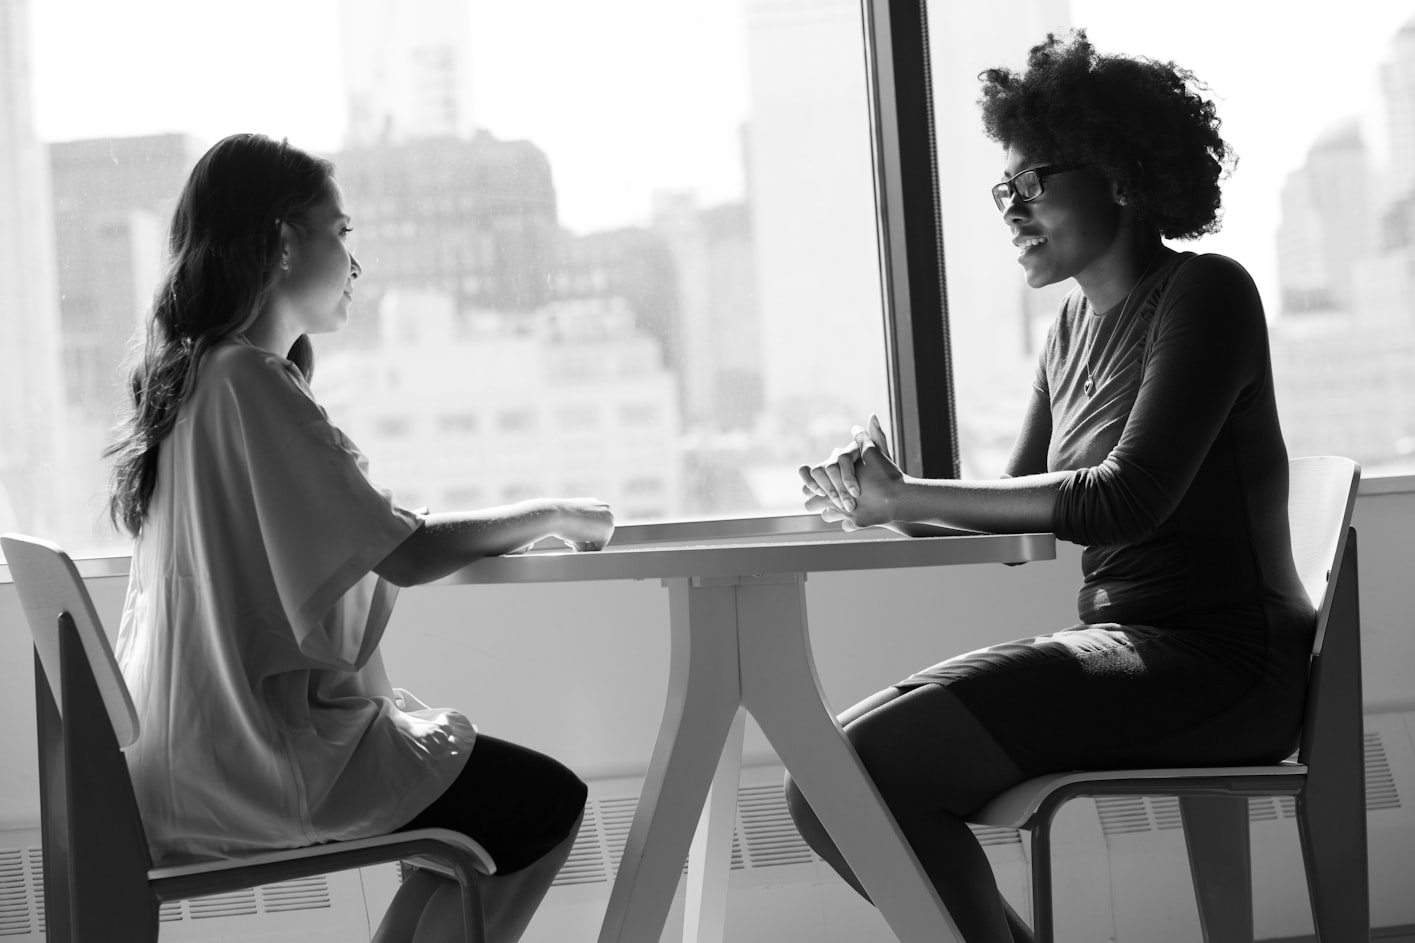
pixel 790 258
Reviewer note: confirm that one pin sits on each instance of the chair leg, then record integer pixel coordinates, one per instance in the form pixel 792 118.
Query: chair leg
pixel 1220 863
pixel 1334 851
pixel 1042 927
pixel 1331 810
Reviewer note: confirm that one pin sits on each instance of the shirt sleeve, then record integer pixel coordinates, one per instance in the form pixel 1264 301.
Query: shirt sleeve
pixel 1206 348
pixel 320 522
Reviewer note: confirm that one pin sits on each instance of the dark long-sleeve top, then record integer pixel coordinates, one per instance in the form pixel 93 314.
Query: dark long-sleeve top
pixel 1180 487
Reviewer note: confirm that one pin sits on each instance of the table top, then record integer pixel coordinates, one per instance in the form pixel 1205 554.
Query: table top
pixel 801 553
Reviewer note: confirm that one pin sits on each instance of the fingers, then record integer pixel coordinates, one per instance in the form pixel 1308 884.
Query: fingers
pixel 877 434
pixel 808 481
pixel 836 472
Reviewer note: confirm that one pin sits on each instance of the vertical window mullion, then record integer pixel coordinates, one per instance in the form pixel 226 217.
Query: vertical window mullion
pixel 923 410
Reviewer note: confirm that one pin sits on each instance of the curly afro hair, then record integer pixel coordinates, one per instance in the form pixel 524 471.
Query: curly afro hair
pixel 1141 123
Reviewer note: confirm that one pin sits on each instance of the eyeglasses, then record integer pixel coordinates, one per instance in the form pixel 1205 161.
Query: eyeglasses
pixel 1027 185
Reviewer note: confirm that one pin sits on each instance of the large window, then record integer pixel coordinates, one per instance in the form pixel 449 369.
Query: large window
pixel 631 248
pixel 625 248
pixel 1318 101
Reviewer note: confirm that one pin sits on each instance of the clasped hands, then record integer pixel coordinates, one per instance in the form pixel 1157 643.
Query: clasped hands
pixel 855 486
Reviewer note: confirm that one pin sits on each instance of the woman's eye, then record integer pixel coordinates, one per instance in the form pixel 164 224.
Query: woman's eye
pixel 346 230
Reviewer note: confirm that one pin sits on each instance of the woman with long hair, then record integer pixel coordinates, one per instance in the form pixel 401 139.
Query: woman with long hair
pixel 1151 439
pixel 266 564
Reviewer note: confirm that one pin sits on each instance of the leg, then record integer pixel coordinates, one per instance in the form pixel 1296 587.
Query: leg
pixel 933 763
pixel 400 921
pixel 525 809
pixel 1220 864
pixel 781 690
pixel 510 900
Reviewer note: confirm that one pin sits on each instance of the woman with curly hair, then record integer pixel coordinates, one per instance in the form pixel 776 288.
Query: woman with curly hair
pixel 1151 439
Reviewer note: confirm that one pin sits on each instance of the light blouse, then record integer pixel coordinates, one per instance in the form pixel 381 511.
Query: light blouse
pixel 249 638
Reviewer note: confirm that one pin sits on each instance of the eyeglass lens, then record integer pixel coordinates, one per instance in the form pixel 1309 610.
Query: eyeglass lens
pixel 1027 185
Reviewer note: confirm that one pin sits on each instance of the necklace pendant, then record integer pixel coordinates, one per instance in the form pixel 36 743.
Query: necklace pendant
pixel 1089 387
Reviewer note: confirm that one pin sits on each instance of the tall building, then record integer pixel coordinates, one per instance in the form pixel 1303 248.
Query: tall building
pixel 113 201
pixel 32 461
pixel 458 410
pixel 635 266
pixel 1347 378
pixel 407 70
pixel 1327 223
pixel 719 354
pixel 472 219
pixel 812 197
pixel 1398 90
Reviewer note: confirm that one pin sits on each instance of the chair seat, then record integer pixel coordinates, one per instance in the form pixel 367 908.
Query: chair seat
pixel 1015 807
pixel 440 835
pixel 440 850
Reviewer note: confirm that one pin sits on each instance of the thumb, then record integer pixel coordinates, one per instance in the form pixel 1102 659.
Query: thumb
pixel 877 434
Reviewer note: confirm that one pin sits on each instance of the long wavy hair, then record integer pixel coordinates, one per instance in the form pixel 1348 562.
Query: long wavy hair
pixel 224 256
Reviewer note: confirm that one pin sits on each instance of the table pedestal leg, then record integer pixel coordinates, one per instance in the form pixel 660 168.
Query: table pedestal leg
pixel 780 688
pixel 710 857
pixel 702 703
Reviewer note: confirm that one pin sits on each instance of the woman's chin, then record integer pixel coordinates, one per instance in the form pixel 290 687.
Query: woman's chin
pixel 1039 276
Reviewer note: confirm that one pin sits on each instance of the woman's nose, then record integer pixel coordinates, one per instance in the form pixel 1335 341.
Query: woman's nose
pixel 355 269
pixel 1015 209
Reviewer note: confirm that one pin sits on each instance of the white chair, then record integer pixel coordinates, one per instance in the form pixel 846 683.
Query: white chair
pixel 98 875
pixel 1327 779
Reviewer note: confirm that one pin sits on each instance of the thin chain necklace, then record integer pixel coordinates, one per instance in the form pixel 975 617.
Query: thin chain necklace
pixel 1090 385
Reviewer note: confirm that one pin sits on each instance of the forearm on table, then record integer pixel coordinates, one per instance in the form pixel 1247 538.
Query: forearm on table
pixel 1001 506
pixel 449 541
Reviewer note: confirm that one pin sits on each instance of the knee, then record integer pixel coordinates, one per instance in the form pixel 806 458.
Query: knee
pixel 892 770
pixel 801 813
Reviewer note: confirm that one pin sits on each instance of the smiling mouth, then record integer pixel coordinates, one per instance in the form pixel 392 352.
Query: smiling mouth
pixel 1028 244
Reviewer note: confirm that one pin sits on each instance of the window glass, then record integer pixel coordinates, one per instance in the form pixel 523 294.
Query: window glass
pixel 1320 209
pixel 650 220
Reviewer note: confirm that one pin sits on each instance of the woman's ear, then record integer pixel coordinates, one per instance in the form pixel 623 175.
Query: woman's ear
pixel 288 242
pixel 1118 193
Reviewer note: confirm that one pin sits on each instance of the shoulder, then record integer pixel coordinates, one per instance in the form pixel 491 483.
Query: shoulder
pixel 1210 304
pixel 237 361
pixel 1212 272
pixel 237 371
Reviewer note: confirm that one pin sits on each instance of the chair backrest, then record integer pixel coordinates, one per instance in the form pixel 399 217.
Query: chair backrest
pixel 49 585
pixel 1320 498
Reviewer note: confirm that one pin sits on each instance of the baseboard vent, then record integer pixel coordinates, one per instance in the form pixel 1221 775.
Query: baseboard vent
pixel 763 835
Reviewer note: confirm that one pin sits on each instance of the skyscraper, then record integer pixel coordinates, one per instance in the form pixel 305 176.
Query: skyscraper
pixel 813 211
pixel 113 198
pixel 407 70
pixel 30 466
pixel 1398 88
pixel 1327 223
